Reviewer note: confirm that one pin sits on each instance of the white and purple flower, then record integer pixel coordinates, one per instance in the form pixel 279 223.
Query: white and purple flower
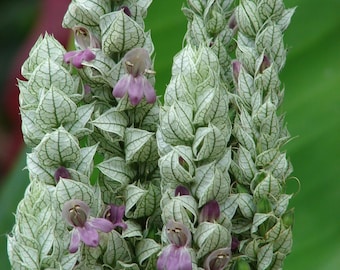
pixel 176 256
pixel 134 83
pixel 115 214
pixel 85 41
pixel 218 259
pixel 76 213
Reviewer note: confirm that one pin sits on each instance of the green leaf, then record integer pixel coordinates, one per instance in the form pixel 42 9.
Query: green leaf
pixel 247 17
pixel 113 122
pixel 117 170
pixel 55 109
pixel 145 249
pixel 46 47
pixel 117 249
pixel 264 256
pixel 210 184
pixel 183 209
pixel 78 127
pixel 211 236
pixel 120 33
pixel 210 143
pixel 49 73
pixel 176 123
pixel 177 166
pixel 141 202
pixel 68 189
pixel 140 146
pixel 57 148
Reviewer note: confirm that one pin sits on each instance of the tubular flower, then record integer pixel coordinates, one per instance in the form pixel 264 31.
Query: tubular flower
pixel 210 212
pixel 217 259
pixel 134 83
pixel 181 191
pixel 61 172
pixel 176 256
pixel 85 40
pixel 76 214
pixel 115 214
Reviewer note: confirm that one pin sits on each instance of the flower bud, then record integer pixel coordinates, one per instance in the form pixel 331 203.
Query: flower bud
pixel 61 172
pixel 263 205
pixel 181 190
pixel 288 218
pixel 210 212
pixel 218 259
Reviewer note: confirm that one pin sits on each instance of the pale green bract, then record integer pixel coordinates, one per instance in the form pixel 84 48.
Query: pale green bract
pixel 216 140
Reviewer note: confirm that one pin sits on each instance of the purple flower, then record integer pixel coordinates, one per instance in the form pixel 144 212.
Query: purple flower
pixel 85 41
pixel 236 67
pixel 115 214
pixel 217 259
pixel 235 243
pixel 210 212
pixel 176 256
pixel 181 190
pixel 76 213
pixel 126 10
pixel 61 172
pixel 84 38
pixel 134 83
pixel 76 58
pixel 265 63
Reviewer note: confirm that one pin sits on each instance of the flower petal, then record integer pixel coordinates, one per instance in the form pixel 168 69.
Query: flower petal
pixel 75 241
pixel 149 91
pixel 121 86
pixel 174 258
pixel 115 214
pixel 88 55
pixel 135 90
pixel 69 55
pixel 101 224
pixel 89 235
pixel 77 60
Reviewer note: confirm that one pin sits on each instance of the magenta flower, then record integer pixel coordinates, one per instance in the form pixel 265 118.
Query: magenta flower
pixel 76 213
pixel 134 83
pixel 236 67
pixel 181 191
pixel 61 172
pixel 218 259
pixel 85 41
pixel 176 256
pixel 210 212
pixel 115 214
pixel 76 58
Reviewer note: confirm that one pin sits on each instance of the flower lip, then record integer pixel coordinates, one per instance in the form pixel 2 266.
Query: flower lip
pixel 137 62
pixel 115 214
pixel 176 256
pixel 210 211
pixel 84 38
pixel 61 172
pixel 178 234
pixel 218 259
pixel 76 58
pixel 181 191
pixel 76 212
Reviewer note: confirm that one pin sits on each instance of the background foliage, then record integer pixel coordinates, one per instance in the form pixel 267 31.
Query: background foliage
pixel 311 79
